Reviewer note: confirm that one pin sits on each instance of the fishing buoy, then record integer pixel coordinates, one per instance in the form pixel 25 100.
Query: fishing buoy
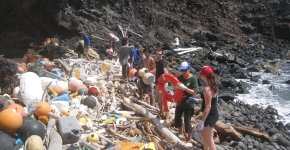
pixel 74 84
pixel 148 78
pixel 93 137
pixel 93 91
pixel 11 120
pixel 34 143
pixel 90 101
pixel 132 73
pixel 32 127
pixel 18 107
pixel 83 91
pixel 58 89
pixel 43 110
pixel 83 120
pixel 142 71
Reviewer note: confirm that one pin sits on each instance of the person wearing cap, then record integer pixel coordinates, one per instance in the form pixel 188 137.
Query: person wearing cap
pixel 113 41
pixel 149 64
pixel 87 44
pixel 189 86
pixel 124 53
pixel 210 113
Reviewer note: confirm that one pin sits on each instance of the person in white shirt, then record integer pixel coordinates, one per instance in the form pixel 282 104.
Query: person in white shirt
pixel 113 41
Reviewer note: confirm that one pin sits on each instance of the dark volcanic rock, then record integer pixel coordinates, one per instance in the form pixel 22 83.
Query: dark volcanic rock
pixel 8 79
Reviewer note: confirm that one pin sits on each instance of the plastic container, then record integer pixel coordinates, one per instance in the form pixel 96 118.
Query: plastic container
pixel 69 129
pixel 105 67
pixel 60 104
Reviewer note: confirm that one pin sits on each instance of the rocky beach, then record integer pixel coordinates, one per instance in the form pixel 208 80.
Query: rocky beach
pixel 236 38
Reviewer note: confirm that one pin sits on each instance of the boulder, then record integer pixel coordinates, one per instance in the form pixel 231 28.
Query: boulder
pixel 226 95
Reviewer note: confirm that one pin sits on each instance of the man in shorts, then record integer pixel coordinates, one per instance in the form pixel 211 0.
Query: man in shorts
pixel 113 41
pixel 124 53
pixel 149 64
pixel 161 68
pixel 87 44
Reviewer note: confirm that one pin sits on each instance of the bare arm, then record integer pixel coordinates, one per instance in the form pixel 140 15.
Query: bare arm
pixel 152 65
pixel 207 98
pixel 165 70
pixel 190 91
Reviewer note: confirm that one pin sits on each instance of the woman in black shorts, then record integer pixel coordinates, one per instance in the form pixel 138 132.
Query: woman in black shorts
pixel 210 113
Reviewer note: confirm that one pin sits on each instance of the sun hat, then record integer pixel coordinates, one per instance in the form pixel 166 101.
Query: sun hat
pixel 206 71
pixel 184 65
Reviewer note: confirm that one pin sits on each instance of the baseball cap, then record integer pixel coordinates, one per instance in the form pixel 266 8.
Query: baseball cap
pixel 206 71
pixel 184 65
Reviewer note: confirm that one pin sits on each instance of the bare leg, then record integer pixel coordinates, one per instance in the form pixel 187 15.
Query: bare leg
pixel 151 96
pixel 87 56
pixel 140 90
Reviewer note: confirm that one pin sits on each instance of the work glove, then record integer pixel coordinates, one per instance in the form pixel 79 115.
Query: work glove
pixel 181 86
pixel 192 100
pixel 200 126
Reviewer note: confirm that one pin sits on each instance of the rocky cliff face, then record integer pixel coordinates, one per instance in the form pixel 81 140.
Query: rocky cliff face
pixel 259 28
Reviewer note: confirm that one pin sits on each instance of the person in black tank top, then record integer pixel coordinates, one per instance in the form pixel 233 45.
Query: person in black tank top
pixel 210 114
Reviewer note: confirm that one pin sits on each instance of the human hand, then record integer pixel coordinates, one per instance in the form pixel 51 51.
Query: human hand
pixel 200 126
pixel 181 86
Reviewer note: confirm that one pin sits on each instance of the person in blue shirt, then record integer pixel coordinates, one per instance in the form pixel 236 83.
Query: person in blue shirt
pixel 134 57
pixel 87 44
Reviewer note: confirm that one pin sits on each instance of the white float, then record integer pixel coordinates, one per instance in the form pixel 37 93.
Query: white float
pixel 45 81
pixel 30 88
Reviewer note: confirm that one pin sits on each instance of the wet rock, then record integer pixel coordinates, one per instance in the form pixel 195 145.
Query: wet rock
pixel 260 127
pixel 229 82
pixel 287 82
pixel 265 82
pixel 271 110
pixel 255 78
pixel 283 141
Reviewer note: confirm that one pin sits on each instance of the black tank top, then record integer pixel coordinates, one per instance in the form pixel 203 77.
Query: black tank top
pixel 213 109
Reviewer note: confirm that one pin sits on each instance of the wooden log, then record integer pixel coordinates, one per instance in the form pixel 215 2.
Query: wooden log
pixel 152 137
pixel 155 121
pixel 252 132
pixel 87 145
pixel 227 131
pixel 145 104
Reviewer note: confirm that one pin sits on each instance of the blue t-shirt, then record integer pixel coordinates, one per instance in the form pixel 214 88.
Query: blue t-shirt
pixel 134 54
pixel 87 40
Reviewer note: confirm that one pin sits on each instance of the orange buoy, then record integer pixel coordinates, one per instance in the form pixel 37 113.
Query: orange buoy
pixel 19 108
pixel 44 109
pixel 11 120
pixel 132 73
pixel 58 89
pixel 74 84
pixel 45 59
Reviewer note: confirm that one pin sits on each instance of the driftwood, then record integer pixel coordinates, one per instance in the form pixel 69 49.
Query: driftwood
pixel 156 122
pixel 152 137
pixel 227 132
pixel 253 132
pixel 66 68
pixel 87 145
pixel 145 104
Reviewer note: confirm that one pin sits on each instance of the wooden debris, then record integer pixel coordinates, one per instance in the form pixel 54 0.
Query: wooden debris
pixel 227 132
pixel 252 132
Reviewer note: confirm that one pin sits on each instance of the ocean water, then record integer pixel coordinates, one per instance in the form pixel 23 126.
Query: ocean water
pixel 260 93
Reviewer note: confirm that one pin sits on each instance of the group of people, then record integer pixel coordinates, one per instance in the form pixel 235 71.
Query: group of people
pixel 133 57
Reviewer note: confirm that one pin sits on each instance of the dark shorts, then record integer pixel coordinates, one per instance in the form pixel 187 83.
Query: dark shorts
pixel 148 89
pixel 211 120
pixel 125 70
pixel 117 44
